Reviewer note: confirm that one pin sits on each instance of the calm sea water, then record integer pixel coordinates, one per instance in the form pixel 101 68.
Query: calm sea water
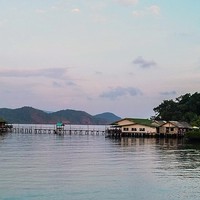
pixel 52 167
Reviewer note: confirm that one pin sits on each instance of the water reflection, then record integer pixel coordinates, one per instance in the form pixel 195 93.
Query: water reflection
pixel 163 143
pixel 170 157
pixel 2 136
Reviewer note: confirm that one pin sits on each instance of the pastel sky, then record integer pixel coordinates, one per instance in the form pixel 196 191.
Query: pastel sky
pixel 121 56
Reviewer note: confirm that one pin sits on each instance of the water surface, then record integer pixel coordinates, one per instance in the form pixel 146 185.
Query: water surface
pixel 49 167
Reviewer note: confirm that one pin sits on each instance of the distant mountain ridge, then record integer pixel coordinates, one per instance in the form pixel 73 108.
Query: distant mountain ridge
pixel 29 115
pixel 110 117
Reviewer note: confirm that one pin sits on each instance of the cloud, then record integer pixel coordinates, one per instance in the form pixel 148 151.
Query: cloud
pixel 2 22
pixel 57 73
pixel 53 72
pixel 54 7
pixel 40 11
pixel 142 63
pixel 154 9
pixel 128 2
pixel 138 13
pixel 56 84
pixel 70 83
pixel 120 91
pixel 98 73
pixel 99 18
pixel 75 10
pixel 59 84
pixel 168 93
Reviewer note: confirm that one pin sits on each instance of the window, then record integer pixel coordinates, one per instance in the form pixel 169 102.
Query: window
pixel 142 129
pixel 125 129
pixel 134 129
pixel 172 129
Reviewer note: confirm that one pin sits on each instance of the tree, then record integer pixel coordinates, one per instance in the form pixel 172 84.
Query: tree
pixel 184 108
pixel 165 110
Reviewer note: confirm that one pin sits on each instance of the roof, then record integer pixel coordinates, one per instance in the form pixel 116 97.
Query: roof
pixel 158 123
pixel 179 124
pixel 153 123
pixel 146 122
pixel 59 124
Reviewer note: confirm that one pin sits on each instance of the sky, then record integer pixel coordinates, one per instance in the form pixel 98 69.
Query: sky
pixel 119 56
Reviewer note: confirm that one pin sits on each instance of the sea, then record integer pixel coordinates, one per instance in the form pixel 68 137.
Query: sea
pixel 93 167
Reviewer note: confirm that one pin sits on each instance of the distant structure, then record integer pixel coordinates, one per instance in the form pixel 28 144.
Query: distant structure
pixel 59 128
pixel 4 127
pixel 134 127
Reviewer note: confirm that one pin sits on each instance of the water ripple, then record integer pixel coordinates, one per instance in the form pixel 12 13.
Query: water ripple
pixel 93 167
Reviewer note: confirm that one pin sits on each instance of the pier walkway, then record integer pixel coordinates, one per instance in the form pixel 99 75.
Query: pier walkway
pixel 51 130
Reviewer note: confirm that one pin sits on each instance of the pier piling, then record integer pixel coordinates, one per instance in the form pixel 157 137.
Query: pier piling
pixel 42 130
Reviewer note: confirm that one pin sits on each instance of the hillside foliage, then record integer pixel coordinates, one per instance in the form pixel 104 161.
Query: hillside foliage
pixel 29 115
pixel 184 108
pixel 193 135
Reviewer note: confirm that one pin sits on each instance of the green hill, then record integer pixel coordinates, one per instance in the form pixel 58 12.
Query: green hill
pixel 109 117
pixel 29 115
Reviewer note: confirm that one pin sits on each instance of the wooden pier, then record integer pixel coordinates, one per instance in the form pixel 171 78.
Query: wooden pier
pixel 50 130
pixel 6 128
pixel 110 133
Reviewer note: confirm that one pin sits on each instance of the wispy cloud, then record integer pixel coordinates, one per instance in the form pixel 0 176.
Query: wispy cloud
pixel 151 10
pixel 56 84
pixel 98 73
pixel 40 11
pixel 168 93
pixel 98 18
pixel 75 10
pixel 121 91
pixel 142 63
pixel 127 2
pixel 23 73
pixel 154 9
pixel 70 83
pixel 2 22
pixel 138 13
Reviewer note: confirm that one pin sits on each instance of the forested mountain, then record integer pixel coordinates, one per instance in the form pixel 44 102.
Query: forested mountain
pixel 29 115
pixel 184 108
pixel 110 117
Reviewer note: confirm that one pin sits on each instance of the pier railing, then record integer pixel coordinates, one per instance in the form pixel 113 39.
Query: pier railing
pixel 53 130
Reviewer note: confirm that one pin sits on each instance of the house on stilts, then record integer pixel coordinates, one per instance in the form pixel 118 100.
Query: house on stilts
pixel 135 127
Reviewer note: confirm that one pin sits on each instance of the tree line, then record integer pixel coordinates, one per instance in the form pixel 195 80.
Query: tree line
pixel 184 108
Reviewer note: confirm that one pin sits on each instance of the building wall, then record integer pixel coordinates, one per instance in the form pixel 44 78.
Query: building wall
pixel 168 128
pixel 137 128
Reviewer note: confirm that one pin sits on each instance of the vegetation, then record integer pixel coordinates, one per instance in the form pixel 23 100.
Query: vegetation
pixel 1 119
pixel 110 117
pixel 29 115
pixel 184 108
pixel 193 135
